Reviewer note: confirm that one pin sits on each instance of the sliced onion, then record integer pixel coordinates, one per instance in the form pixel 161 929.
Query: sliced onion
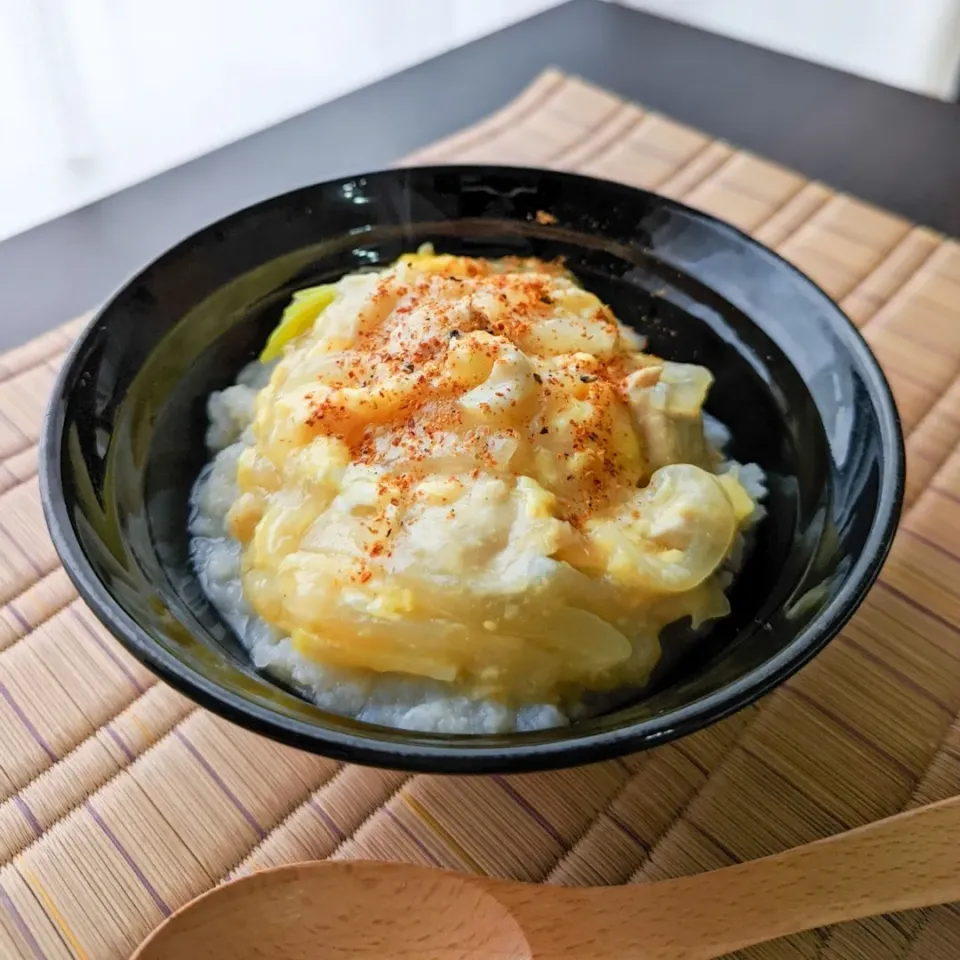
pixel 685 388
pixel 682 533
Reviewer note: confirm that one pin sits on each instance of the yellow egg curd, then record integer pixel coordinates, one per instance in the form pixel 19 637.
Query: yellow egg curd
pixel 469 470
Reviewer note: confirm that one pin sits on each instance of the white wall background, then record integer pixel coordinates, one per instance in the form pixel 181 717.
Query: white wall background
pixel 914 44
pixel 98 94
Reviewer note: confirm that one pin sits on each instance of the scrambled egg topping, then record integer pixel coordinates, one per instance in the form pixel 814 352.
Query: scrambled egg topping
pixel 469 470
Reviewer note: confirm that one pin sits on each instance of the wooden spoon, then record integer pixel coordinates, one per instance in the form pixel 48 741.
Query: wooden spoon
pixel 383 911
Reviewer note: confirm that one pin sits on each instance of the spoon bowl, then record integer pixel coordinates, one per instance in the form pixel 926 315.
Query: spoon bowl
pixel 370 911
pixel 351 909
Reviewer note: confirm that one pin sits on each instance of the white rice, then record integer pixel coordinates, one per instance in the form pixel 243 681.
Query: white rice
pixel 393 700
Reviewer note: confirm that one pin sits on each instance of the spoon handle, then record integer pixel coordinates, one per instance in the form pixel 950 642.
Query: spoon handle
pixel 908 861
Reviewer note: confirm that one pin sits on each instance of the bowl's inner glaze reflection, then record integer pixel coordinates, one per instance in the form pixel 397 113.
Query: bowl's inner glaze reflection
pixel 135 418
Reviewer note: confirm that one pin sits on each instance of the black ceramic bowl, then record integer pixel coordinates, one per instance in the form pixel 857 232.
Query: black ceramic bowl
pixel 123 439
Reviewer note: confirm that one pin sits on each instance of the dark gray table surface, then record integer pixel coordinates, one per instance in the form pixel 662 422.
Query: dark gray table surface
pixel 893 148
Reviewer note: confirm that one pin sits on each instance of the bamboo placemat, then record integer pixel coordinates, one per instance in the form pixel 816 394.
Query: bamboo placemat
pixel 121 800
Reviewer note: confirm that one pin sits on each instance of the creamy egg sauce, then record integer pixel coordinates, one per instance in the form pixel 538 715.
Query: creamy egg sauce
pixel 466 474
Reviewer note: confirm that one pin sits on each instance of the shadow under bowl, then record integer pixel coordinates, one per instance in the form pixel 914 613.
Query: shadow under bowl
pixel 804 397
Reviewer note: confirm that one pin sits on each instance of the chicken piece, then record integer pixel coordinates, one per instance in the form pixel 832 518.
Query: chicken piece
pixel 666 402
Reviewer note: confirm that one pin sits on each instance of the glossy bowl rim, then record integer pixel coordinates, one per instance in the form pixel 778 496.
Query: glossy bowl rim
pixel 457 755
